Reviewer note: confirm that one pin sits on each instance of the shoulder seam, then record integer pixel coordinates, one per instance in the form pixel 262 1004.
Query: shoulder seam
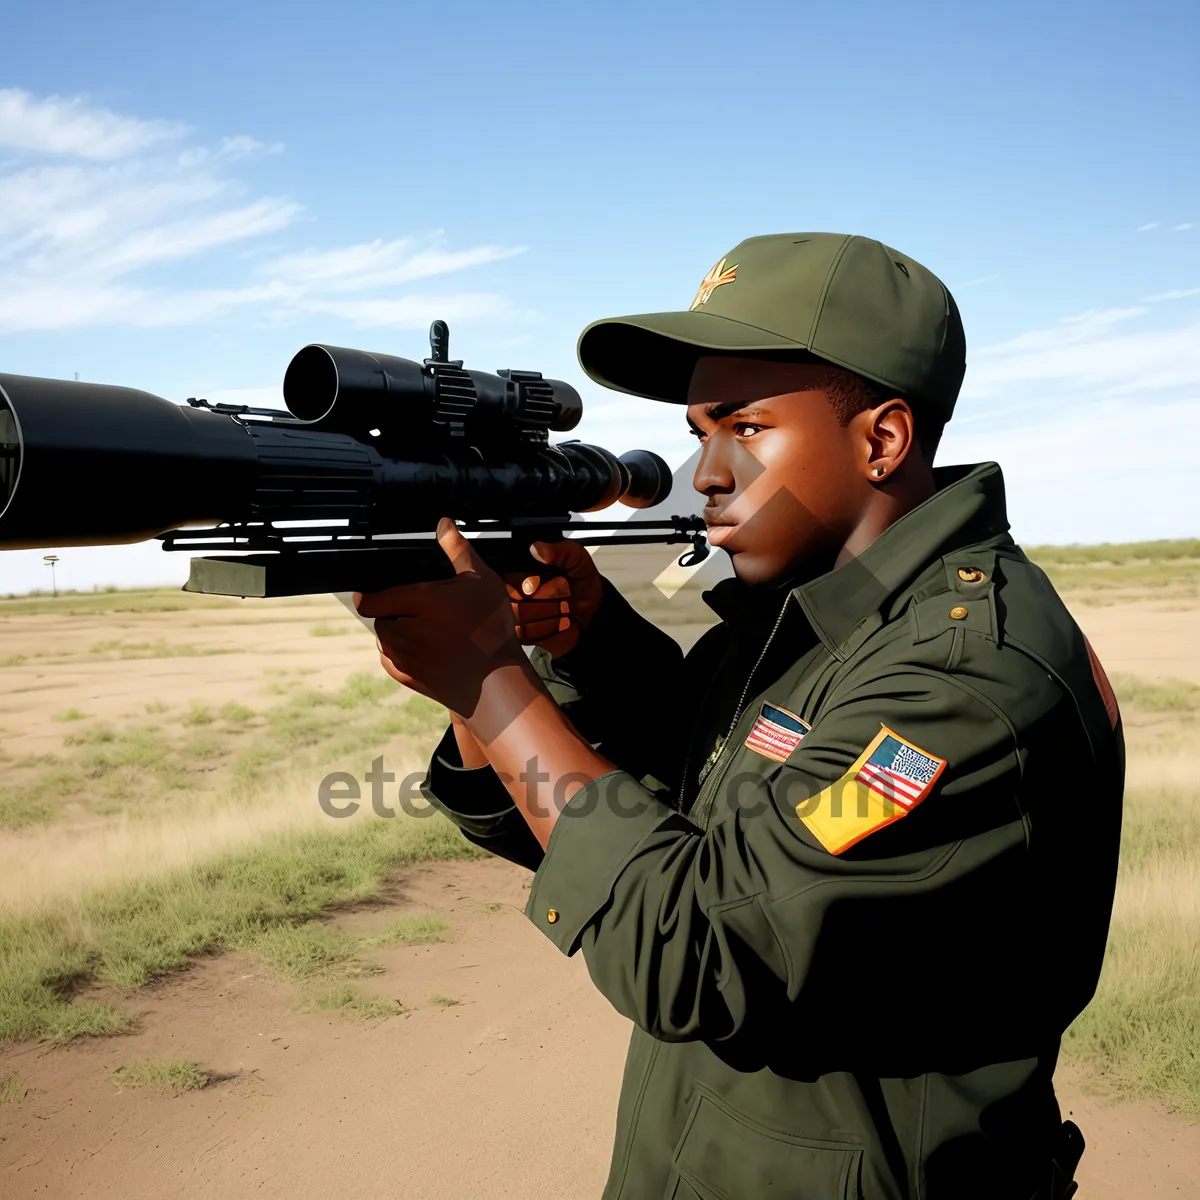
pixel 1034 656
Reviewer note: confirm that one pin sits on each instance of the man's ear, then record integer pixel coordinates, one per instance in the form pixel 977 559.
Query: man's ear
pixel 890 432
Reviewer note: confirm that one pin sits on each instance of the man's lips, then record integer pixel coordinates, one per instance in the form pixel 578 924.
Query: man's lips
pixel 720 529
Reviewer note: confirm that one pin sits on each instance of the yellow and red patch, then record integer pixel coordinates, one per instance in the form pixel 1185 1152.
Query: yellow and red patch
pixel 886 782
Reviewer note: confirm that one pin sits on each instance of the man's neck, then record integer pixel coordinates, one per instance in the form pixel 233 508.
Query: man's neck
pixel 911 486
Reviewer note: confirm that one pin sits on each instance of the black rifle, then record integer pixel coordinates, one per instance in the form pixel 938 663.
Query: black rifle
pixel 339 494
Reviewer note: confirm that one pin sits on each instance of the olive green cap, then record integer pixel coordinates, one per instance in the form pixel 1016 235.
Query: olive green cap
pixel 851 301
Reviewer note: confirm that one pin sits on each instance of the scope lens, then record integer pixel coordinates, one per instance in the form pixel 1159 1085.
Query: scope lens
pixel 310 384
pixel 10 452
pixel 649 479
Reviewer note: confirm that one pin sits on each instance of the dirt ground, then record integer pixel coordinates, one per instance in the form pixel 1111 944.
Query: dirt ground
pixel 228 653
pixel 509 1092
pixel 1149 638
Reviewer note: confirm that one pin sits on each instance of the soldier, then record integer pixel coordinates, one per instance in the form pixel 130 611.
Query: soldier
pixel 848 866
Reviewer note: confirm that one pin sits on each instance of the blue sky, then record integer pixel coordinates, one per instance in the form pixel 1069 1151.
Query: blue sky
pixel 190 194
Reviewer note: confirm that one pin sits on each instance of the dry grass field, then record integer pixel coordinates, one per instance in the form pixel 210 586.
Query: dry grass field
pixel 161 756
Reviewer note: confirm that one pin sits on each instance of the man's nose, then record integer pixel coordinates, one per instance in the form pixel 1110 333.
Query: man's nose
pixel 714 471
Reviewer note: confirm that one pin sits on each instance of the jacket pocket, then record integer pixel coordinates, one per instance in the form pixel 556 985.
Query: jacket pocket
pixel 723 1155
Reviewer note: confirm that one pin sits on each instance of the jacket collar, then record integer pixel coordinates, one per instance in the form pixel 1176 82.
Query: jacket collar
pixel 968 507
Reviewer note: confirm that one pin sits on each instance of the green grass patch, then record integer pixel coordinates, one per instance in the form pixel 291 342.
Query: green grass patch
pixel 1161 826
pixel 1117 553
pixel 138 767
pixel 135 600
pixel 12 1089
pixel 410 931
pixel 352 1002
pixel 349 726
pixel 1165 568
pixel 71 714
pixel 159 649
pixel 198 714
pixel 175 1075
pixel 443 1001
pixel 203 746
pixel 124 936
pixel 21 807
pixel 1170 695
pixel 324 629
pixel 12 660
pixel 124 765
pixel 62 1023
pixel 1141 1029
pixel 363 688
pixel 309 951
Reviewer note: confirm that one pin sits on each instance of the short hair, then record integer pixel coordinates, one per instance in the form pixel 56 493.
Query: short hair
pixel 852 394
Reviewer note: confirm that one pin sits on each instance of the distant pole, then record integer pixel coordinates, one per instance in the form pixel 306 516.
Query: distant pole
pixel 50 560
pixel 76 376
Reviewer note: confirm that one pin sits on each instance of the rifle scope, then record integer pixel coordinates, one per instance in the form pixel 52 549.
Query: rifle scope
pixel 381 444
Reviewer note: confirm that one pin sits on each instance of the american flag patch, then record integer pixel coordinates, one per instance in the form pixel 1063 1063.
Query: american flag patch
pixel 898 771
pixel 776 732
pixel 886 782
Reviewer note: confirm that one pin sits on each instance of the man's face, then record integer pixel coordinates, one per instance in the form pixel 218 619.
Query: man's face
pixel 785 480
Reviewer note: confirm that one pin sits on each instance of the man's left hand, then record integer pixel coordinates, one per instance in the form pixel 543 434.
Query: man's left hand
pixel 445 637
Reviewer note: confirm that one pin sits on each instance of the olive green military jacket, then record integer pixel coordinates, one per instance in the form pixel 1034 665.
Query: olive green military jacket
pixel 851 915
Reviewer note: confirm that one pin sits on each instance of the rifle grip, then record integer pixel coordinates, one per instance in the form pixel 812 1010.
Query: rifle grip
pixel 507 559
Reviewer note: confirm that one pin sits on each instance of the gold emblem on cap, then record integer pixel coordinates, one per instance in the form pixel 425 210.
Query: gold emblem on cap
pixel 717 277
pixel 552 915
pixel 971 575
pixel 957 612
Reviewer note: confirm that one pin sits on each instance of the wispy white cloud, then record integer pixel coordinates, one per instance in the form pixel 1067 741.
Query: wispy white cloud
pixel 380 263
pixel 1101 351
pixel 1174 294
pixel 69 125
pixel 1070 476
pixel 1084 327
pixel 240 145
pixel 1182 227
pixel 408 312
pixel 111 235
pixel 190 237
pixel 1147 227
pixel 977 282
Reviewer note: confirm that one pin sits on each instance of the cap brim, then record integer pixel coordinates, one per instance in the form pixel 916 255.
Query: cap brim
pixel 654 354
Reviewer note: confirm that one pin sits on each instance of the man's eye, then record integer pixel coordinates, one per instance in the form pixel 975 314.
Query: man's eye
pixel 698 434
pixel 747 429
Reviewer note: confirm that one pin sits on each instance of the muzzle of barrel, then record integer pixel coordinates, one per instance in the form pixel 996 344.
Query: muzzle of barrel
pixel 88 464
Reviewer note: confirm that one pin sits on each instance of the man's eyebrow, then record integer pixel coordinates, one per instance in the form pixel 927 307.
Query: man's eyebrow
pixel 723 408
pixel 726 408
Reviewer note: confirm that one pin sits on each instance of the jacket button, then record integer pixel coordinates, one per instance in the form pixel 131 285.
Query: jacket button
pixel 971 575
pixel 957 612
pixel 552 915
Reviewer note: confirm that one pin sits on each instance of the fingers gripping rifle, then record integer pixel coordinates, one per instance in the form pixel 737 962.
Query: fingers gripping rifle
pixel 340 493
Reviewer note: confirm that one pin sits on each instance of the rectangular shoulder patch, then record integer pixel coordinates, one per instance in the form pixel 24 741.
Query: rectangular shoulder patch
pixel 886 782
pixel 776 732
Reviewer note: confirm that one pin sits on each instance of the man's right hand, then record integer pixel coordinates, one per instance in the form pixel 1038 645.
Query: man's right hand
pixel 555 612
